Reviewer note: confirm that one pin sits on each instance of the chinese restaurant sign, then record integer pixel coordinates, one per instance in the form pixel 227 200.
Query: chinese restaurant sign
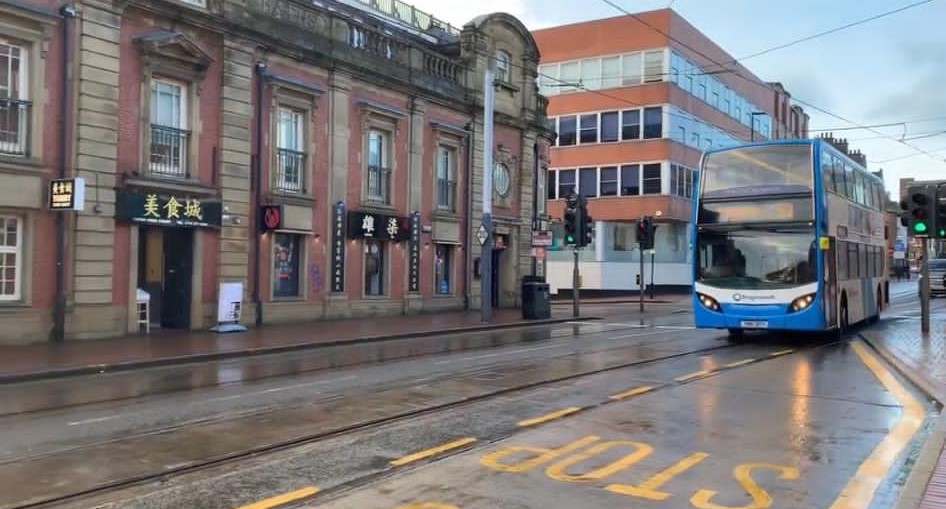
pixel 338 248
pixel 67 194
pixel 378 226
pixel 414 267
pixel 167 210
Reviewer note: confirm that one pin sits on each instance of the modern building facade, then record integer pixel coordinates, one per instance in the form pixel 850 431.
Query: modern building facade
pixel 324 156
pixel 634 109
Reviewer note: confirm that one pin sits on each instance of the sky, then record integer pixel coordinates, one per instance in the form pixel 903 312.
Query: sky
pixel 886 71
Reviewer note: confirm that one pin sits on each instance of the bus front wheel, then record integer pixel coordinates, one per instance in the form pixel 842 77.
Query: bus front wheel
pixel 736 335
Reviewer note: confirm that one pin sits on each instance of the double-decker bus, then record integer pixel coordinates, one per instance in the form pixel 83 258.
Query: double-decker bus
pixel 788 235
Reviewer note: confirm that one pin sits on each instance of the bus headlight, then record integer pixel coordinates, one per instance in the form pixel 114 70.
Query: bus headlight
pixel 708 302
pixel 802 303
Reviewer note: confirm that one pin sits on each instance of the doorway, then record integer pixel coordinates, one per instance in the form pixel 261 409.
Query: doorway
pixel 165 271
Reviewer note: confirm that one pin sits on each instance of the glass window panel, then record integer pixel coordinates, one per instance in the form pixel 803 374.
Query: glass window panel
pixel 653 122
pixel 567 127
pixel 611 72
pixel 652 178
pixel 630 180
pixel 631 125
pixel 589 128
pixel 608 185
pixel 591 73
pixel 632 68
pixel 609 126
pixel 588 183
pixel 566 183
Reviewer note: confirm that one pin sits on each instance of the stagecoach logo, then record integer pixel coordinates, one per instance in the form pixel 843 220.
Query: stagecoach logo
pixel 738 297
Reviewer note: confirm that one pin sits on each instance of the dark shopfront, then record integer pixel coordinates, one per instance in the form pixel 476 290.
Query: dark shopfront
pixel 166 230
pixel 377 232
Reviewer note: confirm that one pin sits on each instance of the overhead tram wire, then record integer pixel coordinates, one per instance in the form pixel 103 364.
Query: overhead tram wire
pixel 827 32
pixel 583 88
pixel 757 82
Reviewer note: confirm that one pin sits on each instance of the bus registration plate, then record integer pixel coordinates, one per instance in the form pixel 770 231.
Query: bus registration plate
pixel 754 324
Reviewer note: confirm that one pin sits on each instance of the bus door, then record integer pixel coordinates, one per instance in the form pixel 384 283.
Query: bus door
pixel 829 279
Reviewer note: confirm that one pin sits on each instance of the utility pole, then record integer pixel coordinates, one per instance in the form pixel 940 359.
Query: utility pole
pixel 925 287
pixel 486 251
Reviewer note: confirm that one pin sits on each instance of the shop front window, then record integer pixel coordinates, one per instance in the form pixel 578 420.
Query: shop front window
pixel 286 255
pixel 374 267
pixel 443 265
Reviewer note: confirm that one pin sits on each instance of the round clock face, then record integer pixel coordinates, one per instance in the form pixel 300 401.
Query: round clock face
pixel 501 179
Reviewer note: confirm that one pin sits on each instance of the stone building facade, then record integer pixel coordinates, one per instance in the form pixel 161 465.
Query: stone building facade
pixel 328 158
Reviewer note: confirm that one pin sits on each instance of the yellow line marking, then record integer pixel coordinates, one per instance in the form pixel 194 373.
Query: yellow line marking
pixel 632 392
pixel 285 498
pixel 782 352
pixel 860 489
pixel 550 416
pixel 426 453
pixel 691 376
pixel 738 363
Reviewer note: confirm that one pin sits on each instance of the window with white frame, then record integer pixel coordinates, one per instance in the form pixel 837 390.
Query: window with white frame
pixel 630 180
pixel 11 257
pixel 169 135
pixel 588 129
pixel 613 71
pixel 608 181
pixel 652 178
pixel 588 182
pixel 446 178
pixel 567 130
pixel 566 183
pixel 503 74
pixel 290 150
pixel 379 170
pixel 610 126
pixel 15 102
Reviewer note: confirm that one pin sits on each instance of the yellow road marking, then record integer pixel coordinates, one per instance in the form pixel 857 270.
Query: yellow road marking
pixel 860 489
pixel 549 416
pixel 782 352
pixel 738 363
pixel 632 392
pixel 426 453
pixel 691 376
pixel 285 498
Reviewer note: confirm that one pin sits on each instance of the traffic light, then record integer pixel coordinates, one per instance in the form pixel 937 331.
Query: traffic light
pixel 940 206
pixel 572 224
pixel 921 204
pixel 645 233
pixel 587 231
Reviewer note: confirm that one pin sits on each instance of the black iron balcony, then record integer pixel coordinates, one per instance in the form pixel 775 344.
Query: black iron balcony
pixel 15 127
pixel 169 151
pixel 446 195
pixel 379 184
pixel 290 171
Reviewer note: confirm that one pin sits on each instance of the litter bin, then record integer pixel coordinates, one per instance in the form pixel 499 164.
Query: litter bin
pixel 535 298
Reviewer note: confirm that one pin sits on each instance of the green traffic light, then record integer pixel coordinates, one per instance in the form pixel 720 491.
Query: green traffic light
pixel 570 239
pixel 920 227
pixel 942 232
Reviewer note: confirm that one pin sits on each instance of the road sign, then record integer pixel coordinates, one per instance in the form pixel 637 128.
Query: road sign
pixel 899 245
pixel 481 235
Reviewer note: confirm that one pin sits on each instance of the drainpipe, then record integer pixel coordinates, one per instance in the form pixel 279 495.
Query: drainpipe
pixel 468 220
pixel 260 69
pixel 59 306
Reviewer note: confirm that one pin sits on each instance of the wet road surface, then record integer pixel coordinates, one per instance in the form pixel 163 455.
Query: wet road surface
pixel 730 420
pixel 799 431
pixel 47 458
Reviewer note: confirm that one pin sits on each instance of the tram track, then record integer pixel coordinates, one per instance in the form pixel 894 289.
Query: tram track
pixel 195 467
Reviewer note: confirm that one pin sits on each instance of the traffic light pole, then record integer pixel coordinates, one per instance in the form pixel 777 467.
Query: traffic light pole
pixel 641 286
pixel 576 283
pixel 925 287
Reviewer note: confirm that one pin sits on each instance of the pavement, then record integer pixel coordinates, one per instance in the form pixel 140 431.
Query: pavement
pixel 161 348
pixel 921 358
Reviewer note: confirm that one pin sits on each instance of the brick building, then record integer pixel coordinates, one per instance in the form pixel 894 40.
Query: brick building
pixel 634 109
pixel 326 156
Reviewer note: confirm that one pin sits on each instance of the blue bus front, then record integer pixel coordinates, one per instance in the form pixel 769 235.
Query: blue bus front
pixel 757 263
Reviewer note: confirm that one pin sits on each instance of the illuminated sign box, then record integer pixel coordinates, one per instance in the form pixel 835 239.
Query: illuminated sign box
pixel 67 194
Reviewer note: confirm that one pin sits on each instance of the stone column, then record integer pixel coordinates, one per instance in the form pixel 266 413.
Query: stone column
pixel 340 132
pixel 235 156
pixel 94 313
pixel 415 190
